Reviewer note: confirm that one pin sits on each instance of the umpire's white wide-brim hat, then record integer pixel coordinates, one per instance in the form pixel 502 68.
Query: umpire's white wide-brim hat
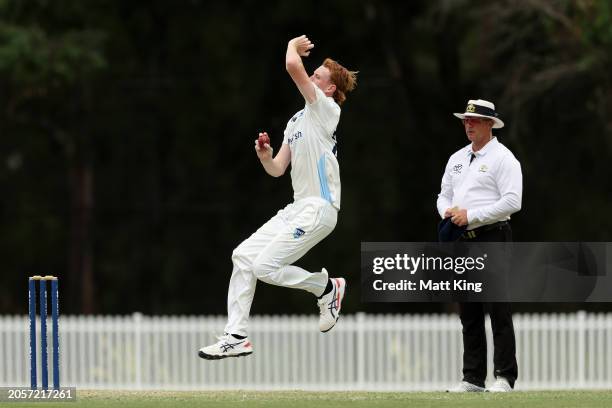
pixel 479 108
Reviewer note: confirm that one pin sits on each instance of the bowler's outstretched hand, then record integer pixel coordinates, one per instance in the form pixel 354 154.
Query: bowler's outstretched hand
pixel 302 45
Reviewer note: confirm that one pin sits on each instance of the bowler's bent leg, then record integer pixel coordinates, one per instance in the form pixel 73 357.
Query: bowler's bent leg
pixel 243 282
pixel 312 220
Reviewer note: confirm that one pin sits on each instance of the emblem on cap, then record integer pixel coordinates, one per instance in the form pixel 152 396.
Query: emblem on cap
pixel 481 108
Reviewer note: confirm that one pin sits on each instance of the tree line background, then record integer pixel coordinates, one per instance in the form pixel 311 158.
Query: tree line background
pixel 126 151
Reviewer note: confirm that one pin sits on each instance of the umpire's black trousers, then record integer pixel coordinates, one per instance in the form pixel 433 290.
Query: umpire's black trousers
pixel 474 338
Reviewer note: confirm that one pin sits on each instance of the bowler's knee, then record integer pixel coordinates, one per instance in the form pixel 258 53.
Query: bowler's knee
pixel 263 270
pixel 240 258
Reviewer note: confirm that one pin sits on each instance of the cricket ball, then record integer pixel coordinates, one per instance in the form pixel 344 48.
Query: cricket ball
pixel 262 140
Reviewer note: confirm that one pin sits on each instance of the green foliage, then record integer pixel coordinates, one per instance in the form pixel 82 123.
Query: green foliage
pixel 29 57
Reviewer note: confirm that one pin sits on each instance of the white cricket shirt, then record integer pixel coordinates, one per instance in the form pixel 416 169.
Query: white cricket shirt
pixel 311 136
pixel 490 188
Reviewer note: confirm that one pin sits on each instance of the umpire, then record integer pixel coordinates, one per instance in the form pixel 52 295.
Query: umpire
pixel 481 187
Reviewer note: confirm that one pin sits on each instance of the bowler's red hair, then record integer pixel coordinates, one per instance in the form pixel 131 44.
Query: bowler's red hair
pixel 344 79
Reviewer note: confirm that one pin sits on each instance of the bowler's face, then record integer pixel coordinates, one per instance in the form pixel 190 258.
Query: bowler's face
pixel 477 129
pixel 321 78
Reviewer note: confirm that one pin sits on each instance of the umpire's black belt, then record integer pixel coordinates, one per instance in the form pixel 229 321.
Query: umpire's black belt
pixel 472 234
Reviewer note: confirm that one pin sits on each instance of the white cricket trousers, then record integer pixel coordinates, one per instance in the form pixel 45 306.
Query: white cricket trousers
pixel 267 255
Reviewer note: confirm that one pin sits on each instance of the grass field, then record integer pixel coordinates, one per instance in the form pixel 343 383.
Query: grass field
pixel 248 399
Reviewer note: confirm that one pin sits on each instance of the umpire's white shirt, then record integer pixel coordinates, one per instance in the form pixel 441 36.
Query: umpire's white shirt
pixel 490 188
pixel 310 134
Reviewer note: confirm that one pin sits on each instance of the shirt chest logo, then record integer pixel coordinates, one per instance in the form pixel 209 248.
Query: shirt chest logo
pixel 483 168
pixel 294 137
pixel 457 168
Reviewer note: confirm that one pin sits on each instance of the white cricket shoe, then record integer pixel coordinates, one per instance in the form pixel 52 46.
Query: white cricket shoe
pixel 465 386
pixel 330 305
pixel 500 385
pixel 227 346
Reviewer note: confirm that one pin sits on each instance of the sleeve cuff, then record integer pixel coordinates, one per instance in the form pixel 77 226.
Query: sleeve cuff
pixel 472 216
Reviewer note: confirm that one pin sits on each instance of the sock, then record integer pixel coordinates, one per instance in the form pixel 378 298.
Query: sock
pixel 239 337
pixel 328 288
